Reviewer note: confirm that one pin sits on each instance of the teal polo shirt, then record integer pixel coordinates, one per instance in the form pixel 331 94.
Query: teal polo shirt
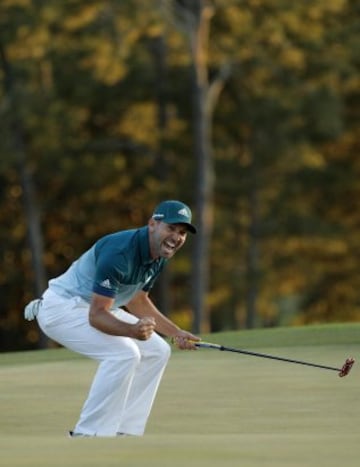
pixel 118 266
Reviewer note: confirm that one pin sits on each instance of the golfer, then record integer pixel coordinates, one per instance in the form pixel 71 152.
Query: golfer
pixel 84 310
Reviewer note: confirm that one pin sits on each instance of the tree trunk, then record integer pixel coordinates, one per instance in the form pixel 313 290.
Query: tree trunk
pixel 252 250
pixel 195 17
pixel 31 209
pixel 204 179
pixel 204 187
pixel 158 50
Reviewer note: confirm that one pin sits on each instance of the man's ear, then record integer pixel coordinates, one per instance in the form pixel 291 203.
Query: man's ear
pixel 151 224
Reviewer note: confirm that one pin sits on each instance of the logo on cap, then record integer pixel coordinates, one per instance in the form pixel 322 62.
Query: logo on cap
pixel 183 212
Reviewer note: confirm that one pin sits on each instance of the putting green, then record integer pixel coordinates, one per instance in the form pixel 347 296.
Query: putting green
pixel 213 408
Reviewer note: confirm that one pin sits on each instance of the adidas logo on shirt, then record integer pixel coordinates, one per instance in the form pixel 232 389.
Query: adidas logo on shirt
pixel 106 283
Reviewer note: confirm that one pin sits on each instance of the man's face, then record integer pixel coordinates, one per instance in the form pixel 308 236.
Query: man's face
pixel 166 239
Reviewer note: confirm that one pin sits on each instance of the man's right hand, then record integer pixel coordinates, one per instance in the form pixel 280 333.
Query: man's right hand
pixel 144 328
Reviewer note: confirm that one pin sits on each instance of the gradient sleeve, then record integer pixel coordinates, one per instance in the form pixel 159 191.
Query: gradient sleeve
pixel 108 277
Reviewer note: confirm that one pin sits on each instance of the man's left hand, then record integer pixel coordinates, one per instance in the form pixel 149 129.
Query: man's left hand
pixel 185 340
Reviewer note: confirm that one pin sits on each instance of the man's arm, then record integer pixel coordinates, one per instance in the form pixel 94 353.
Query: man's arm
pixel 142 306
pixel 101 319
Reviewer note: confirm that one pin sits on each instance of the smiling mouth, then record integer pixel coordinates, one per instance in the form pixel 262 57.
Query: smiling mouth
pixel 171 247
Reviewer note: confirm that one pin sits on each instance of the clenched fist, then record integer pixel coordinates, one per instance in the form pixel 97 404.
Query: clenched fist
pixel 144 328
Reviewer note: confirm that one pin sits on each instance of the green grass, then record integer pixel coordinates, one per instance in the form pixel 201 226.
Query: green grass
pixel 214 409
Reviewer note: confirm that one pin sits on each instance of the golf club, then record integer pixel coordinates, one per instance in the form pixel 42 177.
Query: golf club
pixel 343 371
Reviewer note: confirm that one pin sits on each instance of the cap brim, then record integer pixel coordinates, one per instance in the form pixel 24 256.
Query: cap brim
pixel 191 228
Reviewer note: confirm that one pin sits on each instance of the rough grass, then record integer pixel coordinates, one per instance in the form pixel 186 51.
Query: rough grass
pixel 213 408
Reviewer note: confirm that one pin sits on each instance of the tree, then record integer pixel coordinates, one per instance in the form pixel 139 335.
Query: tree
pixel 108 129
pixel 18 147
pixel 194 18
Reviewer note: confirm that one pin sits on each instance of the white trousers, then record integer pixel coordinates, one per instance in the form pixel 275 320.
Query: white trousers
pixel 129 373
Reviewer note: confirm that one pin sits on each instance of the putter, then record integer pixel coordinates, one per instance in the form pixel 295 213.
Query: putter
pixel 343 371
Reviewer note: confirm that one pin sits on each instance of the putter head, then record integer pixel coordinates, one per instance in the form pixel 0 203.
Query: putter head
pixel 345 370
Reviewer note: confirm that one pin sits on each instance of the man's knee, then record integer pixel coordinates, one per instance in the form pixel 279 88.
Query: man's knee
pixel 161 349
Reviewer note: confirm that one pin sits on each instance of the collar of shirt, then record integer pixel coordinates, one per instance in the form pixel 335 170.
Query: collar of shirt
pixel 145 246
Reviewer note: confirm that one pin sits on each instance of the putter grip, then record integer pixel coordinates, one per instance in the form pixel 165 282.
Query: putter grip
pixel 345 370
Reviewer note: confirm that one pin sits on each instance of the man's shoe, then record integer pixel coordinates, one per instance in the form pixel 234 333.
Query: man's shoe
pixel 72 434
